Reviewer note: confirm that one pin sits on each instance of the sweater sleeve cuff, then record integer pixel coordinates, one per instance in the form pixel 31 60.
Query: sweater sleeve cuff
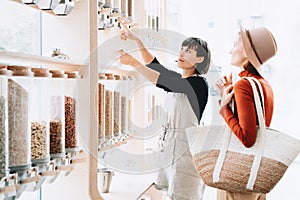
pixel 226 112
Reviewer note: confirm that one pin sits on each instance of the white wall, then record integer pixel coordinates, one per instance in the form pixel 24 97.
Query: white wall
pixel 282 18
pixel 69 33
pixel 217 22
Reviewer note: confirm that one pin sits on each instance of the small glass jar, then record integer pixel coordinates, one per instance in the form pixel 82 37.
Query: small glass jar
pixel 71 110
pixel 40 109
pixel 4 170
pixel 117 106
pixel 19 98
pixel 102 79
pixel 57 114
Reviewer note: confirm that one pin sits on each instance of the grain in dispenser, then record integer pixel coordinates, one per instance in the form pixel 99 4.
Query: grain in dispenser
pixel 131 104
pixel 102 81
pixel 19 91
pixel 117 106
pixel 109 102
pixel 124 105
pixel 4 170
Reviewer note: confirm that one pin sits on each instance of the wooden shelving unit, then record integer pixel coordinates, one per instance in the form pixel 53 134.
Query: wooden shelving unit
pixel 87 85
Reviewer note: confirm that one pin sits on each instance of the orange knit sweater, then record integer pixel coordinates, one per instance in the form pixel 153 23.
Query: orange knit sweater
pixel 244 120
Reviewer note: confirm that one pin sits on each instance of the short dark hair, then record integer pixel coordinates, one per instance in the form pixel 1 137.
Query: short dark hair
pixel 201 47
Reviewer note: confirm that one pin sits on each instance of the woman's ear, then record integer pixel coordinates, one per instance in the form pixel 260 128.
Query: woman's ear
pixel 200 59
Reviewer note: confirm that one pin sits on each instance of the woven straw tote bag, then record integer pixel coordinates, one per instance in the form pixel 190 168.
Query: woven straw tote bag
pixel 223 162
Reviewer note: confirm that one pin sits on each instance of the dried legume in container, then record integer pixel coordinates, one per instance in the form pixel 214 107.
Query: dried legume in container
pixel 101 102
pixel 40 115
pixel 57 114
pixel 71 111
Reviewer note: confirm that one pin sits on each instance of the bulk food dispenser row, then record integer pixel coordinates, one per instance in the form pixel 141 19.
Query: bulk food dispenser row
pixel 115 104
pixel 38 127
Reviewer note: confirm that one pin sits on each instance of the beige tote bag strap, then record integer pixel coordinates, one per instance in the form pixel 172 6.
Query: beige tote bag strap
pixel 222 155
pixel 223 151
pixel 260 133
pixel 226 141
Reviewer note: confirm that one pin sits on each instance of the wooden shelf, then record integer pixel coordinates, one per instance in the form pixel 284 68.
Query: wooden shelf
pixel 12 58
pixel 117 144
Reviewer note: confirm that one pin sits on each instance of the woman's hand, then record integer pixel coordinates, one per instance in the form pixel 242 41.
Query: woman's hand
pixel 128 59
pixel 227 95
pixel 223 83
pixel 150 74
pixel 126 33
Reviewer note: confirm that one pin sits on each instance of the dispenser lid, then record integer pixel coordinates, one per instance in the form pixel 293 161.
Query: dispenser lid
pixel 20 70
pixel 5 72
pixel 131 77
pixel 58 74
pixel 41 72
pixel 109 76
pixel 118 77
pixel 73 74
pixel 102 76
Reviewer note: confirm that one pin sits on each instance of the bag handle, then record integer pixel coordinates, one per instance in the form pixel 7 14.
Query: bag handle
pixel 259 105
pixel 223 151
pixel 222 155
pixel 262 127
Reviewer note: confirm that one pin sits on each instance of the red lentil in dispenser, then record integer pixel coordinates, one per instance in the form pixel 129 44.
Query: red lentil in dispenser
pixel 71 111
pixel 57 114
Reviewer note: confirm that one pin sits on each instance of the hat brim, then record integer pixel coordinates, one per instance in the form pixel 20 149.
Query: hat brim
pixel 249 50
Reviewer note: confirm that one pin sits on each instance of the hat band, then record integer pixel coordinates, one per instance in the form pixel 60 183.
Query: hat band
pixel 253 47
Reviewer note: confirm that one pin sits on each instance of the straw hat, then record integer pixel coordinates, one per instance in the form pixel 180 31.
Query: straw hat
pixel 259 45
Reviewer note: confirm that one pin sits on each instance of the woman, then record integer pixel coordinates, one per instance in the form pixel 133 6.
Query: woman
pixel 252 49
pixel 185 102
